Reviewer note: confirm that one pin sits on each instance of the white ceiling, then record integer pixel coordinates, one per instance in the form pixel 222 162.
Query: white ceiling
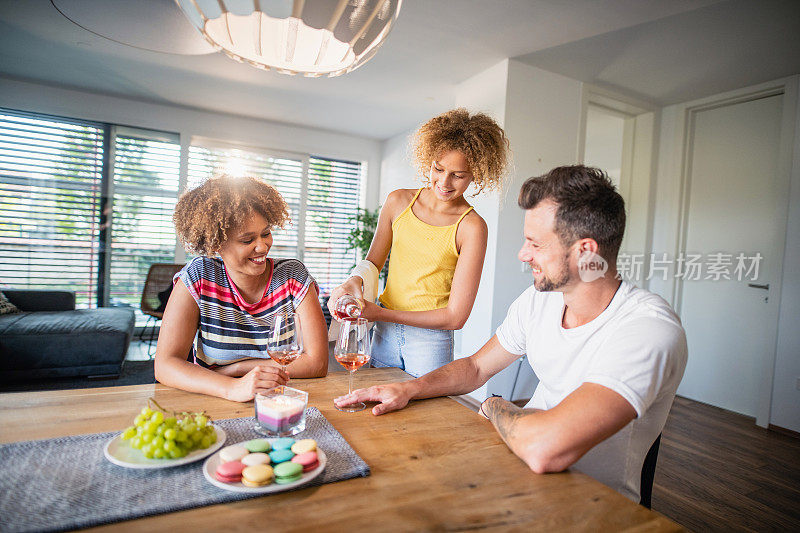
pixel 661 51
pixel 688 55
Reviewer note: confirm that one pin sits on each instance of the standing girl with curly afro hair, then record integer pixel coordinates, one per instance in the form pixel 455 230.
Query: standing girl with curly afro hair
pixel 437 243
pixel 222 304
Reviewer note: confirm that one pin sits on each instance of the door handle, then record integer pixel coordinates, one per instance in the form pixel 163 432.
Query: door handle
pixel 759 286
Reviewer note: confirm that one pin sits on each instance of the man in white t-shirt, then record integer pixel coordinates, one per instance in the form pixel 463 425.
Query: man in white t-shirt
pixel 609 356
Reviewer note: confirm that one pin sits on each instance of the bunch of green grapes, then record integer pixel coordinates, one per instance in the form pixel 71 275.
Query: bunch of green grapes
pixel 162 436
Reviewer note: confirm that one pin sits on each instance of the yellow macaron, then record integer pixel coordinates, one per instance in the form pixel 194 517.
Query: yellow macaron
pixel 304 446
pixel 257 475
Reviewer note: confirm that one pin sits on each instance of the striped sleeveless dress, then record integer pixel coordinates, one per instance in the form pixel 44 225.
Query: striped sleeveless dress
pixel 231 329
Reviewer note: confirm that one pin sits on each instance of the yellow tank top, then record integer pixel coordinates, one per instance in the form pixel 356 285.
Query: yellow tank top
pixel 422 263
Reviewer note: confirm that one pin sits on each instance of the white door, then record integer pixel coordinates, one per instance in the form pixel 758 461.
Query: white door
pixel 733 194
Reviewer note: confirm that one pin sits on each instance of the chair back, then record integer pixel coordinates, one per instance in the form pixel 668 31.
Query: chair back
pixel 648 473
pixel 159 278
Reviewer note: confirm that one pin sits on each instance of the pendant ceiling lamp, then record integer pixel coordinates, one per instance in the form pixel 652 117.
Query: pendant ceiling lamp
pixel 309 37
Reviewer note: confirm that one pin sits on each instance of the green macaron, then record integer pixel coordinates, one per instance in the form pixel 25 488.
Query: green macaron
pixel 287 473
pixel 257 446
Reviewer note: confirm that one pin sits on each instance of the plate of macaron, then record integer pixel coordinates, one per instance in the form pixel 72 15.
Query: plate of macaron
pixel 262 466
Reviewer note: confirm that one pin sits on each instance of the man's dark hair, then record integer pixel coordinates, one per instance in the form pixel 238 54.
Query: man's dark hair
pixel 588 206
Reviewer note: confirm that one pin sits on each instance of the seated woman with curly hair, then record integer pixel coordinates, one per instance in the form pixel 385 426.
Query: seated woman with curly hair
pixel 221 307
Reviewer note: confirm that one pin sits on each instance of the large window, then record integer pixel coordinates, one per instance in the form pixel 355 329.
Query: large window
pixel 50 185
pixel 334 196
pixel 145 188
pixel 87 207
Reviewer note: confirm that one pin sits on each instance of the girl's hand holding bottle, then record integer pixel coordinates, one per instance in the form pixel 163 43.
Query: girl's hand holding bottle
pixel 346 299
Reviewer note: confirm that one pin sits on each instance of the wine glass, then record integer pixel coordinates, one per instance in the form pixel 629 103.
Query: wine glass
pixel 352 351
pixel 285 341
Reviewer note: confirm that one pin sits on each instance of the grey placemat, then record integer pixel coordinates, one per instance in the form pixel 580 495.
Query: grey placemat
pixel 67 483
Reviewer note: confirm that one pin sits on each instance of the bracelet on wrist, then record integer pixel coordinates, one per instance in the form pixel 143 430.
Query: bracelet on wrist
pixel 486 400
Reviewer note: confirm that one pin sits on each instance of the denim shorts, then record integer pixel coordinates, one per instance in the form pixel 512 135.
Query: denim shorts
pixel 415 350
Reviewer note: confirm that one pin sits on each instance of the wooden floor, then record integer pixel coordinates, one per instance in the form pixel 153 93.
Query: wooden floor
pixel 718 471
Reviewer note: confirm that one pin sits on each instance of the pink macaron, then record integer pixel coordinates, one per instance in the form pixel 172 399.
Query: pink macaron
pixel 309 461
pixel 230 472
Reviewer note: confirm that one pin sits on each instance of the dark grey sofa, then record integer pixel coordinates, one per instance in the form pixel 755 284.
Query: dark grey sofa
pixel 53 339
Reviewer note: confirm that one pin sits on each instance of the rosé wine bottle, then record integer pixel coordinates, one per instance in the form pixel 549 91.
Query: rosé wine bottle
pixel 348 307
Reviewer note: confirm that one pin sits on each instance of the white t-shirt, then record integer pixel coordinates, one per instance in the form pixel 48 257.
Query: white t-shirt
pixel 635 347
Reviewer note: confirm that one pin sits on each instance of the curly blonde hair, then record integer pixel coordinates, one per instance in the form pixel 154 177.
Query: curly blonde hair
pixel 205 215
pixel 482 141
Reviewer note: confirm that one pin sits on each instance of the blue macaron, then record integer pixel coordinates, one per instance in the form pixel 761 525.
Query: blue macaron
pixel 280 456
pixel 283 443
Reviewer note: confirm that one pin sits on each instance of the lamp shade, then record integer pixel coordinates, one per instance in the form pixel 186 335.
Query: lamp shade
pixel 309 37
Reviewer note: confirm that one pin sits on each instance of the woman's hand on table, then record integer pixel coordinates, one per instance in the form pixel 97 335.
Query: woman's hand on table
pixel 353 286
pixel 261 378
pixel 391 397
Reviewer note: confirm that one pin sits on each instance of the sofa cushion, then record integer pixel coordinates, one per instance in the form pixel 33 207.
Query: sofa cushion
pixel 69 342
pixel 82 321
pixel 6 307
pixel 41 299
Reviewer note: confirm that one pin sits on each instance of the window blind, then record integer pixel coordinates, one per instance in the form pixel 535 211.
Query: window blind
pixel 145 189
pixel 283 172
pixel 50 182
pixel 334 196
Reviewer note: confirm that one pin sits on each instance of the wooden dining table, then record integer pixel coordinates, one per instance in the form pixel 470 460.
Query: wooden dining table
pixel 435 466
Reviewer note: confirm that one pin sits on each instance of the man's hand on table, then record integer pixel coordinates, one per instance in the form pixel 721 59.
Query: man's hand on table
pixel 390 397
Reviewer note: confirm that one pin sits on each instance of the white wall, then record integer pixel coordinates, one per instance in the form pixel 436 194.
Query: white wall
pixel 540 112
pixel 397 172
pixel 785 408
pixel 542 121
pixel 666 209
pixel 640 200
pixel 191 122
pixel 484 92
pixel 543 116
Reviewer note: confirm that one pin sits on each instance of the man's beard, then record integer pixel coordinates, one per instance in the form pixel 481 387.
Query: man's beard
pixel 547 284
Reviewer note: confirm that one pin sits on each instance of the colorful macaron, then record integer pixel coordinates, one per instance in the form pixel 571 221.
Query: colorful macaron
pixel 304 445
pixel 229 472
pixel 287 472
pixel 232 453
pixel 257 458
pixel 283 443
pixel 257 446
pixel 281 456
pixel 308 460
pixel 257 475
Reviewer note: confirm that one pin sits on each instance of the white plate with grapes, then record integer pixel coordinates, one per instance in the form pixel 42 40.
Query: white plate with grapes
pixel 128 450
